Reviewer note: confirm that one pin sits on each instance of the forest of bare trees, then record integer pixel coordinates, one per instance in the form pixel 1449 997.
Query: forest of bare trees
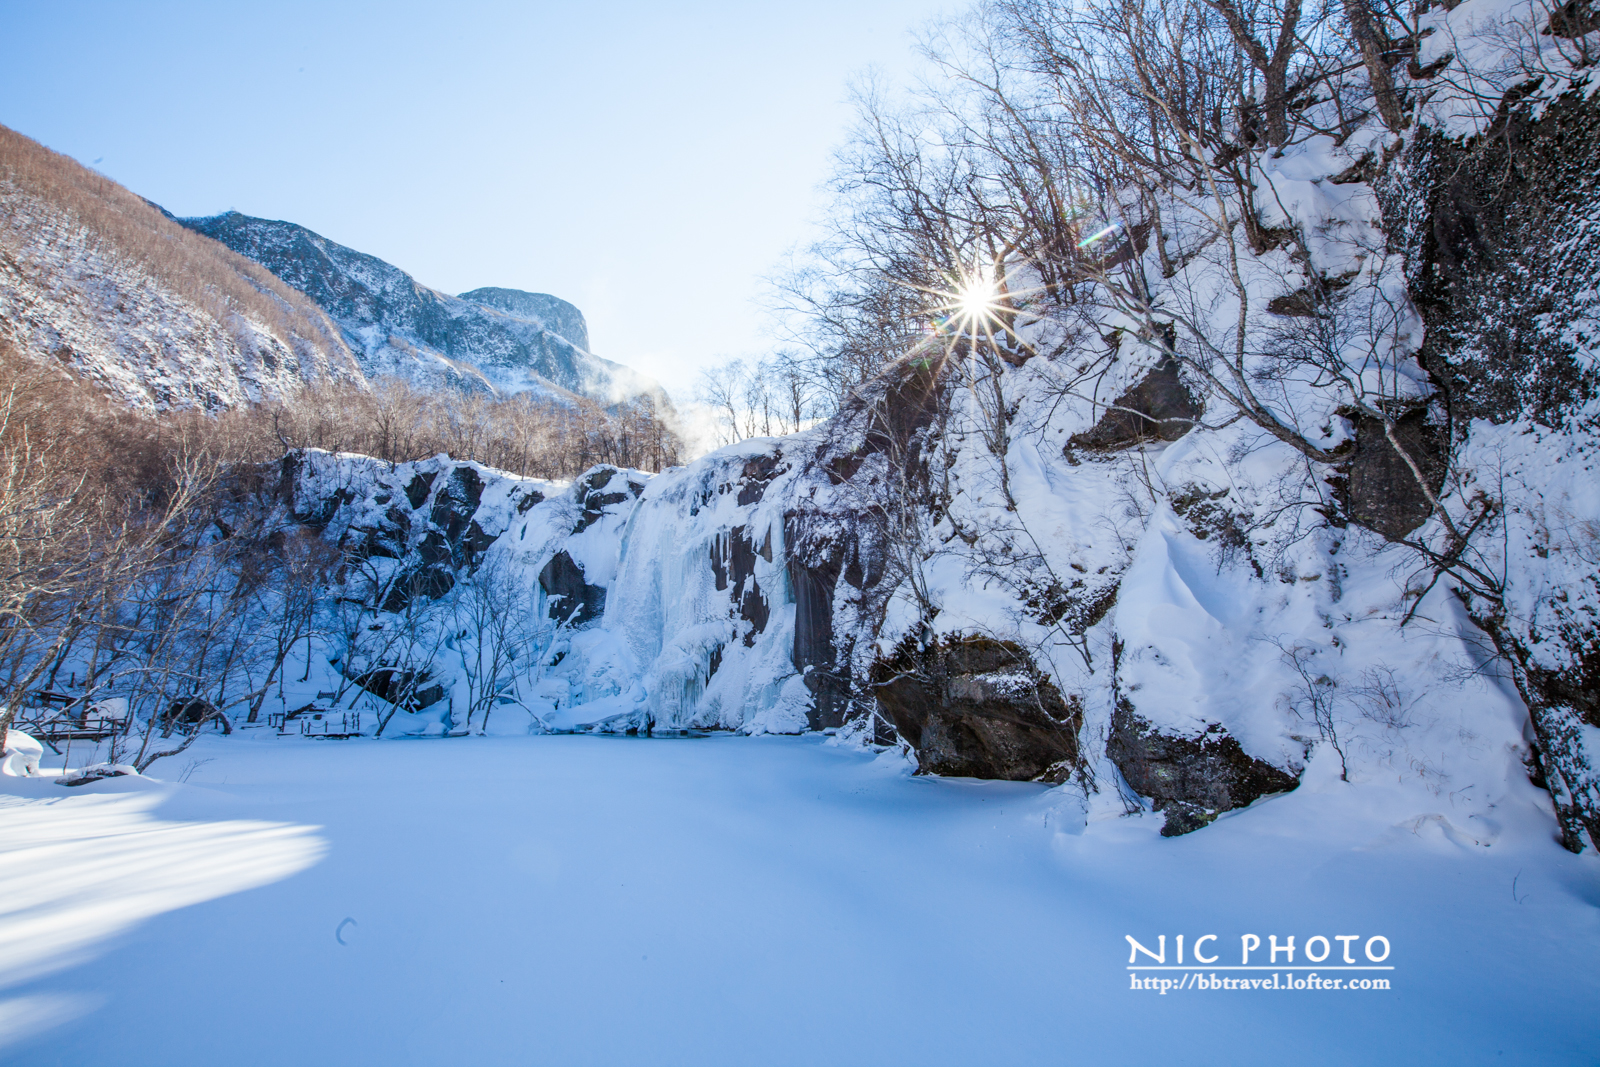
pixel 526 434
pixel 766 397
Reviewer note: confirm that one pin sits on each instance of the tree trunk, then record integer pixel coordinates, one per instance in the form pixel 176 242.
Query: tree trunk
pixel 1374 43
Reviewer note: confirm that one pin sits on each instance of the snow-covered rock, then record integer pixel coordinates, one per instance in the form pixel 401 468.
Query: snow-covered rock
pixel 21 756
pixel 1125 585
pixel 1504 274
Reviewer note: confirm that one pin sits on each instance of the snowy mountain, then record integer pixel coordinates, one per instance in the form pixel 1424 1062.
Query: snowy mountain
pixel 558 316
pixel 503 340
pixel 215 312
pixel 95 279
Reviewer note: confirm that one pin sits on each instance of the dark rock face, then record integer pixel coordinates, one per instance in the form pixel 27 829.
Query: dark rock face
pixel 453 506
pixel 427 581
pixel 190 712
pixel 572 599
pixel 1577 689
pixel 754 479
pixel 1382 493
pixel 418 488
pixel 407 689
pixel 1159 408
pixel 979 708
pixel 733 563
pixel 1562 706
pixel 435 523
pixel 878 437
pixel 386 540
pixel 1573 19
pixel 1501 244
pixel 1192 779
pixel 814 563
pixel 490 339
pixel 1497 261
pixel 599 490
pixel 455 539
pixel 431 523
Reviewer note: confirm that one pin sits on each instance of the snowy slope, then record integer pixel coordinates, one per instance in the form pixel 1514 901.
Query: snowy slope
pixel 93 278
pixel 1191 620
pixel 987 562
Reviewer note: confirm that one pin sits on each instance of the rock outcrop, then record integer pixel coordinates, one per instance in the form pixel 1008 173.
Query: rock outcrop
pixel 980 708
pixel 1502 239
pixel 1191 778
pixel 1160 407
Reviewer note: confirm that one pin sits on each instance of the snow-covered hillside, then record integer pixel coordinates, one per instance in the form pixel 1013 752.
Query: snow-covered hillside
pixel 97 280
pixel 222 311
pixel 500 339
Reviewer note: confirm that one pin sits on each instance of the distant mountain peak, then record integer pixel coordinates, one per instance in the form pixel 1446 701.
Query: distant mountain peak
pixel 558 316
pixel 501 340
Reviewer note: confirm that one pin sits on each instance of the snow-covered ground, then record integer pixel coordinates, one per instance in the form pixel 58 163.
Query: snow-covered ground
pixel 582 899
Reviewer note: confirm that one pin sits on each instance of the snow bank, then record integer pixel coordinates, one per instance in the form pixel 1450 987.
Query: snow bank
pixel 21 756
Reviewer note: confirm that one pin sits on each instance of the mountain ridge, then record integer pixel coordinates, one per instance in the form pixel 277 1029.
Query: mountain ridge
pixel 493 339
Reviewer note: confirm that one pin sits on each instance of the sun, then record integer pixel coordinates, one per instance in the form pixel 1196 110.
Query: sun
pixel 972 306
pixel 975 298
pixel 972 303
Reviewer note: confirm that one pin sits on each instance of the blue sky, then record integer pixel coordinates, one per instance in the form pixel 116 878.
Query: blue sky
pixel 648 162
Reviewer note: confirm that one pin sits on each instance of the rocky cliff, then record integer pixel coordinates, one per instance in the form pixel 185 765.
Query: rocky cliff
pixel 1502 237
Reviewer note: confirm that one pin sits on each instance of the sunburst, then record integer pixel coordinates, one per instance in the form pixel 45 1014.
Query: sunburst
pixel 974 305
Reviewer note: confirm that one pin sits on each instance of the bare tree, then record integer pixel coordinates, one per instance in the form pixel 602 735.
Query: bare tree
pixel 494 610
pixel 722 389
